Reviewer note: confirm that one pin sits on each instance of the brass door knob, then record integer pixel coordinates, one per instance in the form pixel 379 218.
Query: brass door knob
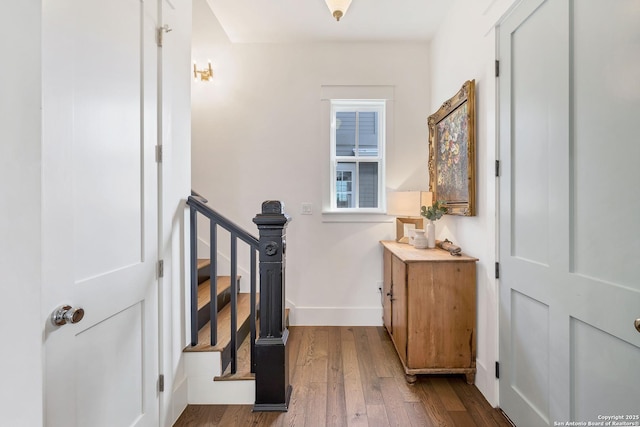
pixel 637 324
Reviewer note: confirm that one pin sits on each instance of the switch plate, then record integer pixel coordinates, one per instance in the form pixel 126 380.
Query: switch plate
pixel 307 209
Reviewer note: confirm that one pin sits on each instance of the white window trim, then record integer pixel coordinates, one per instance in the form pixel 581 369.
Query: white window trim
pixel 361 105
pixel 360 92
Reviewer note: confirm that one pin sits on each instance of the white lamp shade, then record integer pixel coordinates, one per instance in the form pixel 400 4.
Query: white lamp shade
pixel 341 5
pixel 407 203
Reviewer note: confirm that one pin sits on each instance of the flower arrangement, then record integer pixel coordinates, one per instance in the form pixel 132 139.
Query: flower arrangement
pixel 434 212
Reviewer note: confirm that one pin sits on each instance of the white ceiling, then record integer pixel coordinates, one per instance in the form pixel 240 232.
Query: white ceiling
pixel 286 21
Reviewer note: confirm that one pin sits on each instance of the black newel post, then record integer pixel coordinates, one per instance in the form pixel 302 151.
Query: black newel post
pixel 272 355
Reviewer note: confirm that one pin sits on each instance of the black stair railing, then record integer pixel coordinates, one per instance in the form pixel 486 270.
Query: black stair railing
pixel 269 352
pixel 197 205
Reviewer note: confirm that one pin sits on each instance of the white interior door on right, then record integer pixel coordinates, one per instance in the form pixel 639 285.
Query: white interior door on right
pixel 569 108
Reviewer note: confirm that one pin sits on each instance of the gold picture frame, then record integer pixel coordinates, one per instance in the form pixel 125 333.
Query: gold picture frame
pixel 452 152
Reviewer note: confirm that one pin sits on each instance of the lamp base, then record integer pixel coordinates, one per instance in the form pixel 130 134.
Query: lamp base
pixel 403 225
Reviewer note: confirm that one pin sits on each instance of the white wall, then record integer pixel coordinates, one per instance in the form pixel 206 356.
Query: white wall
pixel 174 189
pixel 21 362
pixel 464 49
pixel 257 135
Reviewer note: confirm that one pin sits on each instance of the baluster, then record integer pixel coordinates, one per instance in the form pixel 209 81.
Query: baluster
pixel 194 275
pixel 213 280
pixel 234 303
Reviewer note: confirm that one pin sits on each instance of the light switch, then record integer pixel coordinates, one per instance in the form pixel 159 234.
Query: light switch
pixel 307 209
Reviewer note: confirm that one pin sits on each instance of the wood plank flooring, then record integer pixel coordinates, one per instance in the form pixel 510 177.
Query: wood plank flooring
pixel 351 376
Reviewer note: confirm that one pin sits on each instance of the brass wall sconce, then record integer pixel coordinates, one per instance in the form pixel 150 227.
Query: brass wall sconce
pixel 205 75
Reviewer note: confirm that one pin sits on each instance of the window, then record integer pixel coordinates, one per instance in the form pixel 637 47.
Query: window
pixel 357 155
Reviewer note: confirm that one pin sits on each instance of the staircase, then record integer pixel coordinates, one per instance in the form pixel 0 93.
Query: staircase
pixel 207 364
pixel 230 360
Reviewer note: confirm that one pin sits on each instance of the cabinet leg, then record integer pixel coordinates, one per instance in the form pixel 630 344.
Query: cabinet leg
pixel 411 379
pixel 470 377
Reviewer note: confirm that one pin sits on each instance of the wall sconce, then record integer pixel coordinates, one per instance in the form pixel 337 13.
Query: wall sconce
pixel 205 75
pixel 405 206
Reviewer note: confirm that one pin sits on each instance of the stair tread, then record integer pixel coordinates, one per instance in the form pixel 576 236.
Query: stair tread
pixel 204 290
pixel 243 371
pixel 224 326
pixel 243 366
pixel 203 262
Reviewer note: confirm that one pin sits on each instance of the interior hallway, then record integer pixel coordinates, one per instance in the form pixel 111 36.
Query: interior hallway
pixel 343 376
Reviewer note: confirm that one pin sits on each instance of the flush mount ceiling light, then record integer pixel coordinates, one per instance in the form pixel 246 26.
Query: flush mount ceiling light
pixel 338 8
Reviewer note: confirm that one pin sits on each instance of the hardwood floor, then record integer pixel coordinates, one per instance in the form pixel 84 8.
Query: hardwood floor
pixel 348 376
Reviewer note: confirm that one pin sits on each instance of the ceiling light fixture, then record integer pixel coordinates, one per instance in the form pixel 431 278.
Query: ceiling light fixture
pixel 338 8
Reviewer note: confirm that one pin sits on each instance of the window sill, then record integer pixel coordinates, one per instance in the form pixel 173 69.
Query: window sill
pixel 362 217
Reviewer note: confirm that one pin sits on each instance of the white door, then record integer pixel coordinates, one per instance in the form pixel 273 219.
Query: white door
pixel 569 203
pixel 100 211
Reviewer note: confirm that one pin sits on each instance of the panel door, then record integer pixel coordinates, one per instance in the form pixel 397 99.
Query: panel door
pixel 100 211
pixel 441 328
pixel 399 306
pixel 569 288
pixel 387 291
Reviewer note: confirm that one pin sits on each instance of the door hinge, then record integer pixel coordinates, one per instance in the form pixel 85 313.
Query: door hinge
pixel 497 168
pixel 158 153
pixel 497 369
pixel 160 34
pixel 497 270
pixel 497 68
pixel 161 383
pixel 161 268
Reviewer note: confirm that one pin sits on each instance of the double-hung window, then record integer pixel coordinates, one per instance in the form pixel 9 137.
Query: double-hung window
pixel 357 155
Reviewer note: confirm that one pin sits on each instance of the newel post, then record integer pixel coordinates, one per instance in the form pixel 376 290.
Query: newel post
pixel 273 390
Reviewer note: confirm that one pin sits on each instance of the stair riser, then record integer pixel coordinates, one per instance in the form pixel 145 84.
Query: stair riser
pixel 203 274
pixel 200 368
pixel 243 330
pixel 204 314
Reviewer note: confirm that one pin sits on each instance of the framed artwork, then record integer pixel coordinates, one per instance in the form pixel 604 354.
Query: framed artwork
pixel 452 152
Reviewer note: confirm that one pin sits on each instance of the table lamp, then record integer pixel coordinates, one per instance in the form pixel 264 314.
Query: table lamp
pixel 405 206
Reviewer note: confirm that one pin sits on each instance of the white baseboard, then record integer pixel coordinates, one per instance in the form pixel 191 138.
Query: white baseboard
pixel 487 383
pixel 335 316
pixel 179 400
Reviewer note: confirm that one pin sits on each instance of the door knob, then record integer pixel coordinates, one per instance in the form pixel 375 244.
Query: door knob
pixel 66 314
pixel 637 324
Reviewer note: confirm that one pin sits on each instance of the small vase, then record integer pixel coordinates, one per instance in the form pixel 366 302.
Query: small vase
pixel 412 235
pixel 420 241
pixel 431 235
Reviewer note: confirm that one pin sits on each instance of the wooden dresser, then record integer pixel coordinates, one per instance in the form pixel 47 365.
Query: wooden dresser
pixel 429 309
